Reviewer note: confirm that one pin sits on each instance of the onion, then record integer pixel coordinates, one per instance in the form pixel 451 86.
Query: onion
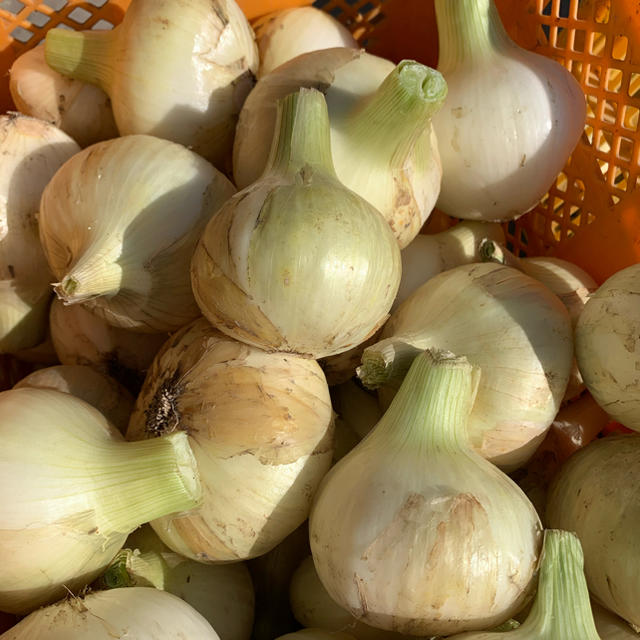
pixel 71 491
pixel 83 111
pixel 596 494
pixel 111 231
pixel 297 262
pixel 414 532
pixel 178 71
pixel 260 426
pixel 285 34
pixel 607 338
pixel 503 321
pixel 139 612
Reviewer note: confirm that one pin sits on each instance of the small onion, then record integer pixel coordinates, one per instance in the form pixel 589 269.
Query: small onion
pixel 285 34
pixel 81 110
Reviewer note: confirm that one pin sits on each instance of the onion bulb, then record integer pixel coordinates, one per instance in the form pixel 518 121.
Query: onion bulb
pixel 80 337
pixel 607 338
pixel 72 490
pixel 31 151
pixel 503 321
pixel 118 223
pixel 297 262
pixel 382 142
pixel 597 495
pixel 510 121
pixel 572 284
pixel 561 610
pixel 427 255
pixel 414 532
pixel 221 593
pixel 142 613
pixel 260 426
pixel 610 626
pixel 313 607
pixel 81 110
pixel 98 389
pixel 285 34
pixel 178 71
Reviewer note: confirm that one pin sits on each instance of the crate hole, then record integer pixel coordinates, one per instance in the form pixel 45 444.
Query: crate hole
pixel 587 134
pixel 570 233
pixel 597 44
pixel 558 205
pixel 620 178
pixel 21 35
pixel 56 5
pixel 590 217
pixel 614 198
pixel 604 141
pixel 364 9
pixel 377 18
pixel 579 188
pixel 630 117
pixel 38 19
pixel 575 214
pixel 556 229
pixel 578 40
pixel 609 111
pixel 97 3
pixel 12 6
pixel 592 104
pixel 614 80
pixel 102 25
pixel 601 11
pixel 79 15
pixel 604 166
pixel 634 84
pixel 561 182
pixel 320 3
pixel 336 12
pixel 594 75
pixel 620 47
pixel 625 149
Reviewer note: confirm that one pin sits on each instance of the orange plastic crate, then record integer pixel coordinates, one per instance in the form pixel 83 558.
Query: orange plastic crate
pixel 591 212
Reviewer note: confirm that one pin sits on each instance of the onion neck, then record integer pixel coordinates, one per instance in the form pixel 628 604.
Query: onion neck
pixel 492 251
pixel 433 403
pixel 133 569
pixel 302 139
pixel 83 55
pixel 468 31
pixel 386 127
pixel 96 277
pixel 562 609
pixel 141 481
pixel 386 362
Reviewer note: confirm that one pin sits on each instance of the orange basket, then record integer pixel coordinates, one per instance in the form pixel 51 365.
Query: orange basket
pixel 590 214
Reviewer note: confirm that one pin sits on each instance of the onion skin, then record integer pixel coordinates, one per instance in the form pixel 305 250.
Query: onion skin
pixel 596 494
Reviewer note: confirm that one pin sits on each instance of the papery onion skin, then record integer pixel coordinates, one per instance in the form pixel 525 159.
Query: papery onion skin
pixel 125 252
pixel 316 634
pixel 596 494
pixel 142 613
pixel 607 338
pixel 260 425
